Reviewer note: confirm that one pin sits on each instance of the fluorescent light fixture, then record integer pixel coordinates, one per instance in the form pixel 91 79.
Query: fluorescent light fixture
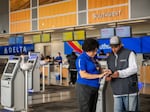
pixel 135 21
pixel 67 29
pixel 91 28
pixel 48 31
pixel 126 22
pixel 83 27
pixel 30 33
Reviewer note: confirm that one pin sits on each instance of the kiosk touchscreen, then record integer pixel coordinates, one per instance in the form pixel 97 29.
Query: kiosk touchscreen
pixel 12 86
pixel 10 68
pixel 105 95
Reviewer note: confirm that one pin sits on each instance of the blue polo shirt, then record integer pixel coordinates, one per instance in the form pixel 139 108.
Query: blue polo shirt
pixel 59 58
pixel 85 63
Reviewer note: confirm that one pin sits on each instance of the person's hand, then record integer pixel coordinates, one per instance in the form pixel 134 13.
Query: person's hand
pixel 103 74
pixel 115 74
pixel 108 71
pixel 108 78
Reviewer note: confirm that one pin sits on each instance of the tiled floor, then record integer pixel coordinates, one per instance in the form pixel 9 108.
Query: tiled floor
pixel 55 99
pixel 63 99
pixel 58 98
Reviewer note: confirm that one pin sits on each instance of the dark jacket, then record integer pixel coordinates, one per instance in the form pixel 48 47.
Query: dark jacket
pixel 72 60
pixel 122 86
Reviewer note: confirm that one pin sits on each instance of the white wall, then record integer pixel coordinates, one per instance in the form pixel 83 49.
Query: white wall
pixel 56 45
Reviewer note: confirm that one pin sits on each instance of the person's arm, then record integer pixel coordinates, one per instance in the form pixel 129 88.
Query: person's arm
pixel 82 70
pixel 86 75
pixel 132 69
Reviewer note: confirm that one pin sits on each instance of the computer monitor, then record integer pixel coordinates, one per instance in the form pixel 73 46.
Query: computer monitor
pixel 10 68
pixel 31 61
pixel 146 56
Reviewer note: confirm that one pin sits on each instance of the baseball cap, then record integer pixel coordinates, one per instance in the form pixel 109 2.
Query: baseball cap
pixel 115 40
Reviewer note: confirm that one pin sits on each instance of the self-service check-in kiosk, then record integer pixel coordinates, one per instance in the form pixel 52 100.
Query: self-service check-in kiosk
pixel 12 86
pixel 105 95
pixel 34 73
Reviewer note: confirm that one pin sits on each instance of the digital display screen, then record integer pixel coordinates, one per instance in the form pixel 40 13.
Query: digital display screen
pixel 67 36
pixel 36 38
pixel 146 56
pixel 31 61
pixel 46 38
pixel 19 40
pixel 12 40
pixel 10 68
pixel 123 31
pixel 79 35
pixel 107 32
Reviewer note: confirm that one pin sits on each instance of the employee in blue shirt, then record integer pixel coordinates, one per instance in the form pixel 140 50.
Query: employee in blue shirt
pixel 89 73
pixel 58 58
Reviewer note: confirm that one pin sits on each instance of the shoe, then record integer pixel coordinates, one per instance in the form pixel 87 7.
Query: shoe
pixel 70 83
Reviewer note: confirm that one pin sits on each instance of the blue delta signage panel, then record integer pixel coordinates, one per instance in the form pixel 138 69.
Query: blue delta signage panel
pixel 16 49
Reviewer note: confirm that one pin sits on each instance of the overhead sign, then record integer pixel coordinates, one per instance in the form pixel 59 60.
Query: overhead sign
pixel 146 44
pixel 133 44
pixel 108 14
pixel 127 43
pixel 16 49
pixel 138 45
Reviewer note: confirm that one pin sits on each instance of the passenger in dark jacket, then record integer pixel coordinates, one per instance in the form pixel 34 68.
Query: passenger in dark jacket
pixel 72 68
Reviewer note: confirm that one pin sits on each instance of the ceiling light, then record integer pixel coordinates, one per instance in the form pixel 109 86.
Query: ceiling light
pixel 91 28
pixel 126 22
pixel 83 27
pixel 30 33
pixel 48 31
pixel 135 21
pixel 69 29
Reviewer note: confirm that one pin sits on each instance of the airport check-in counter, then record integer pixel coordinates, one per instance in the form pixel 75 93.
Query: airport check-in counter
pixel 145 72
pixel 53 73
pixel 145 76
pixel 12 86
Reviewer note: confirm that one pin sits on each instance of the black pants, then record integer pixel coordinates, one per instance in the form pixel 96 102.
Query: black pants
pixel 87 97
pixel 73 76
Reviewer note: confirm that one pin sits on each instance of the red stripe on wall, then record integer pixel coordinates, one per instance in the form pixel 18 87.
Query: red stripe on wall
pixel 75 47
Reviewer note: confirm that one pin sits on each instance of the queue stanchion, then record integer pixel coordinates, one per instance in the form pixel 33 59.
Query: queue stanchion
pixel 26 90
pixel 60 73
pixel 43 78
pixel 48 77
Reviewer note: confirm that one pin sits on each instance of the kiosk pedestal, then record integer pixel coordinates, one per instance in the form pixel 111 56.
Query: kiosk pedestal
pixel 34 73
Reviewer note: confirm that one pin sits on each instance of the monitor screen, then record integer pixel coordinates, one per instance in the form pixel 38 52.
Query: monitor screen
pixel 19 40
pixel 10 68
pixel 107 32
pixel 79 35
pixel 12 40
pixel 123 31
pixel 67 36
pixel 31 61
pixel 146 56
